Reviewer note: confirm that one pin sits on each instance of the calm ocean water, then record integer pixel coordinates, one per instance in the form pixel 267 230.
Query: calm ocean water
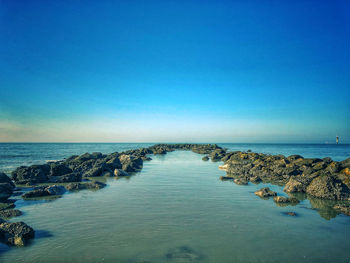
pixel 13 155
pixel 175 206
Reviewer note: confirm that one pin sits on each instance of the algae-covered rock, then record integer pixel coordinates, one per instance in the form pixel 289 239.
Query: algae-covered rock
pixel 31 174
pixel 16 234
pixel 344 208
pixel 265 192
pixel 328 187
pixel 94 185
pixel 45 191
pixel 285 200
pixel 120 172
pixel 9 213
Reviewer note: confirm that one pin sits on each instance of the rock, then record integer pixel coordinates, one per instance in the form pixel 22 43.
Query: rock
pixel 183 254
pixel 290 213
pixel 130 163
pixel 45 191
pixel 94 185
pixel 6 190
pixel 59 169
pixel 67 178
pixel 205 158
pixel 345 209
pixel 240 181
pixel 294 157
pixel 265 192
pixel 328 187
pixel 31 175
pixel 146 158
pixel 8 213
pixel 285 200
pixel 294 186
pixel 5 179
pixel 223 178
pixel 217 154
pixel 8 204
pixel 16 234
pixel 255 179
pixel 113 162
pixel 119 172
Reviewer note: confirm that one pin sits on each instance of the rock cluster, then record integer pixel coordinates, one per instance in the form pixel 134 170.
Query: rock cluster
pixel 321 178
pixel 16 234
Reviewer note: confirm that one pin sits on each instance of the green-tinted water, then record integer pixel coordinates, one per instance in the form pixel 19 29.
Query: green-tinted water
pixel 177 210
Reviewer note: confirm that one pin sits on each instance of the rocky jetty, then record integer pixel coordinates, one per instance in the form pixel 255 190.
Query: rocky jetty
pixel 321 178
pixel 317 178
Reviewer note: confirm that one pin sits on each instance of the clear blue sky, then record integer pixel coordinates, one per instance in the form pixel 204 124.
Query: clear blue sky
pixel 196 71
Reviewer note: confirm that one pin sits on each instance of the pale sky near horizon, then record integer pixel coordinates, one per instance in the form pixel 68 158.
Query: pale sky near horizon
pixel 175 71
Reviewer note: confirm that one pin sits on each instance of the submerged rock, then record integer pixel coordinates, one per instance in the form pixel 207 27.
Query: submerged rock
pixel 285 200
pixel 45 191
pixel 205 158
pixel 94 185
pixel 183 254
pixel 345 209
pixel 16 234
pixel 265 192
pixel 290 213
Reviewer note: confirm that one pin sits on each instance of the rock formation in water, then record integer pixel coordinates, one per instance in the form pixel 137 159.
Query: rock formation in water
pixel 318 178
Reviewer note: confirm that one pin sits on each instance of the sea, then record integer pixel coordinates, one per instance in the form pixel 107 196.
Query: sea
pixel 175 210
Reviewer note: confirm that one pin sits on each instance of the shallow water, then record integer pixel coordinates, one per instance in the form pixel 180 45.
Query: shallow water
pixel 177 210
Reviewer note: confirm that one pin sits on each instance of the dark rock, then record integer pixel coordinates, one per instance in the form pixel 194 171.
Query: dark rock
pixel 59 169
pixel 8 204
pixel 31 175
pixel 205 158
pixel 223 178
pixel 6 190
pixel 45 191
pixel 285 200
pixel 94 185
pixel 217 154
pixel 265 192
pixel 328 187
pixel 8 213
pixel 130 163
pixel 120 172
pixel 240 181
pixel 345 209
pixel 183 254
pixel 16 234
pixel 5 179
pixel 294 157
pixel 294 186
pixel 67 178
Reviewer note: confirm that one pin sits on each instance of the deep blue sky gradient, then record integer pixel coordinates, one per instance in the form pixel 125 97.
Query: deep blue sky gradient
pixel 218 71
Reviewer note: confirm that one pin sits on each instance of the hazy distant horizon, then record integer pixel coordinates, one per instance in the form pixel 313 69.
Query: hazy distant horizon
pixel 242 71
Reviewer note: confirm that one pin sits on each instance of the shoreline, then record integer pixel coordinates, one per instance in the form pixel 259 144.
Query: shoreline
pixel 320 178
